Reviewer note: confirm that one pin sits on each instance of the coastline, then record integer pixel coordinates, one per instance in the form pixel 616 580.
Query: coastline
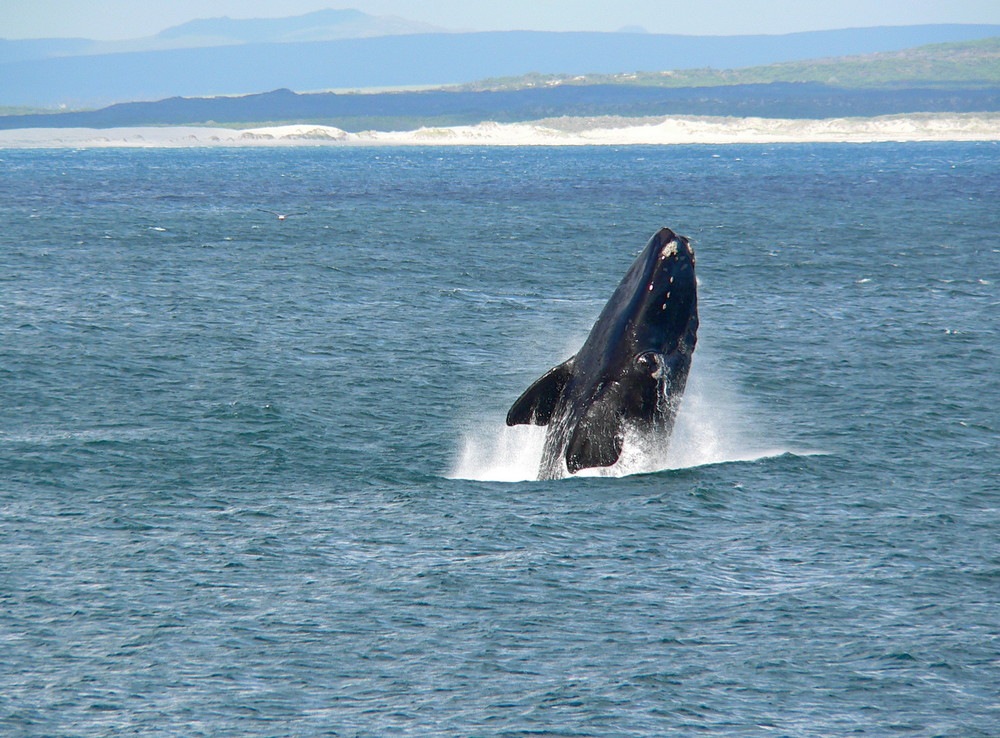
pixel 602 131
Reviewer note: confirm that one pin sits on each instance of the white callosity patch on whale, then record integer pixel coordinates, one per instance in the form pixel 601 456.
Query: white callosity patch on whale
pixel 669 249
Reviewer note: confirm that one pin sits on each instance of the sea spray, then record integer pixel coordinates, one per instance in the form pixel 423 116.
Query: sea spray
pixel 714 426
pixel 495 452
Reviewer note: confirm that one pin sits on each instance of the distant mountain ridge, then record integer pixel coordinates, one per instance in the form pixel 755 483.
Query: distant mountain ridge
pixel 322 25
pixel 422 59
pixel 262 30
pixel 425 59
pixel 900 90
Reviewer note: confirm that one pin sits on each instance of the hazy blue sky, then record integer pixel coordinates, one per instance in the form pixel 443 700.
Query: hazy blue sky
pixel 118 19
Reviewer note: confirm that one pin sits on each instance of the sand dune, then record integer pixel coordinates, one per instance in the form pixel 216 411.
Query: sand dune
pixel 603 131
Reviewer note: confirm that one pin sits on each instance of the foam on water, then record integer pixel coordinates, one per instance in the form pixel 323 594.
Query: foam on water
pixel 714 426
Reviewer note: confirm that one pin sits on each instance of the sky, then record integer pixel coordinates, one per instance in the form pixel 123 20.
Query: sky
pixel 123 19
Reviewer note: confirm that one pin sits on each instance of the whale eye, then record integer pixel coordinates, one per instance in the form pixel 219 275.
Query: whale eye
pixel 648 362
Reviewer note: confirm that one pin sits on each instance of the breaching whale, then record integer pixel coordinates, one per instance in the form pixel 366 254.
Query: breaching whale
pixel 629 374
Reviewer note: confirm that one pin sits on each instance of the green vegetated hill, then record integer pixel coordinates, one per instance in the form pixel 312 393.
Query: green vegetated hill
pixel 968 64
pixel 954 78
pixel 88 79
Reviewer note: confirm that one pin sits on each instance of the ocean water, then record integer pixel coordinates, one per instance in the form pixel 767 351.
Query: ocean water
pixel 254 477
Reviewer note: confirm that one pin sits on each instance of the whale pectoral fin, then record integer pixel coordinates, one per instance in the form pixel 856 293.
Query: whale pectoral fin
pixel 538 402
pixel 598 437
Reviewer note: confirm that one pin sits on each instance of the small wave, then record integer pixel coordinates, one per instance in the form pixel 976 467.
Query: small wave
pixel 47 436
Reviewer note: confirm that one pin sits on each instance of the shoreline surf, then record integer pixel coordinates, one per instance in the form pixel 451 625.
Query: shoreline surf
pixel 566 131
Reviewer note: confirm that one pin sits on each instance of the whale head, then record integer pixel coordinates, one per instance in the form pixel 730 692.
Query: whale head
pixel 665 299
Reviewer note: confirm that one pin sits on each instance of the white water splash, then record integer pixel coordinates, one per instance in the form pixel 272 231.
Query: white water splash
pixel 497 453
pixel 714 426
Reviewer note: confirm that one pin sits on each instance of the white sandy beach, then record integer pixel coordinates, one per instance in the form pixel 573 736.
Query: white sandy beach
pixel 603 131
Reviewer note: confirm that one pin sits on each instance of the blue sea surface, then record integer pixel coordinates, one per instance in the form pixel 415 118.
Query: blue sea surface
pixel 254 476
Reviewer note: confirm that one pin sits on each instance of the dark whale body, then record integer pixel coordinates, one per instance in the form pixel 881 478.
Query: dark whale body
pixel 630 372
